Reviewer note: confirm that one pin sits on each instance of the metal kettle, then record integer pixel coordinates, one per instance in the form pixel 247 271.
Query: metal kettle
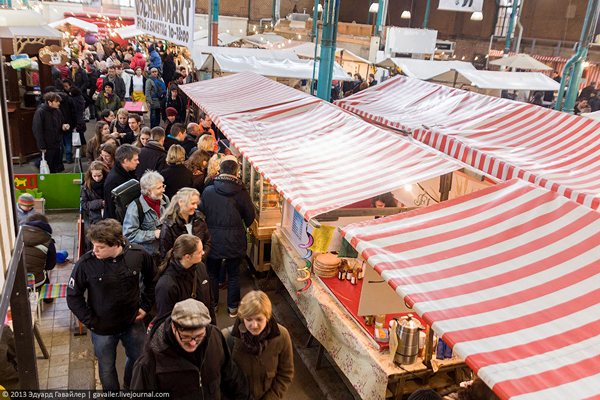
pixel 407 331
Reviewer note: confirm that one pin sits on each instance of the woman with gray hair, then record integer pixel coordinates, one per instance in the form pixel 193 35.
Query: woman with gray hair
pixel 142 219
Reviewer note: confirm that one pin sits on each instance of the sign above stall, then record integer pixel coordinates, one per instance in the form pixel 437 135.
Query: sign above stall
pixel 53 55
pixel 172 20
pixel 461 5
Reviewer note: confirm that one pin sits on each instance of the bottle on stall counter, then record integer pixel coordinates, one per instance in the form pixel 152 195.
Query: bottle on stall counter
pixel 354 277
pixel 342 271
pixel 360 271
pixel 348 271
pixel 382 333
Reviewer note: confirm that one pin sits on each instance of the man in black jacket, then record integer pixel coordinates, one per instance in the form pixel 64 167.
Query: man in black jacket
pixel 189 358
pixel 48 126
pixel 228 208
pixel 153 155
pixel 126 161
pixel 115 307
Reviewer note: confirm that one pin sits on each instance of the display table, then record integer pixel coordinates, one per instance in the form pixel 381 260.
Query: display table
pixel 370 371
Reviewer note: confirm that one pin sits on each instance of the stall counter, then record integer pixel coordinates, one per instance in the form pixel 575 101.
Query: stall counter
pixel 368 370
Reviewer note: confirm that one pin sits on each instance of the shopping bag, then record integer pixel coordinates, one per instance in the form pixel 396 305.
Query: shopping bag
pixel 76 139
pixel 44 168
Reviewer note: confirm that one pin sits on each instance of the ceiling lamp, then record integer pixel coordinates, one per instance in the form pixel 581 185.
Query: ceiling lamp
pixel 405 14
pixel 477 16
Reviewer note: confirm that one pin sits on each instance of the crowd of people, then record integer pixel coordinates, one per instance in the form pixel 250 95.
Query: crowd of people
pixel 98 82
pixel 154 266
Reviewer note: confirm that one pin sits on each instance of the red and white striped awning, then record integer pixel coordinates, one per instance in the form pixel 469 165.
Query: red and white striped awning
pixel 509 276
pixel 500 137
pixel 316 155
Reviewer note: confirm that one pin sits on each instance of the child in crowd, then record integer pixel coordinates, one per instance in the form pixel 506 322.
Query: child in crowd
pixel 92 193
pixel 24 207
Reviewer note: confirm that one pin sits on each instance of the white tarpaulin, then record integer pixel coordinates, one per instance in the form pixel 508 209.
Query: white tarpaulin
pixel 280 68
pixel 76 22
pixel 307 50
pixel 171 20
pixel 201 52
pixel 424 69
pixel 129 31
pixel 500 80
pixel 461 5
pixel 408 40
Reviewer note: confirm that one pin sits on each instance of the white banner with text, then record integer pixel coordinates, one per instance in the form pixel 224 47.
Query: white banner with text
pixel 461 5
pixel 172 20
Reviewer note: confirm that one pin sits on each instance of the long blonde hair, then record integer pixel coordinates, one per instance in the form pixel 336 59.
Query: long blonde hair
pixel 213 165
pixel 185 195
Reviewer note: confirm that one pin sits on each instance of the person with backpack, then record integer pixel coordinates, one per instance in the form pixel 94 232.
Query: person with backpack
pixel 142 219
pixel 126 161
pixel 105 294
pixel 156 93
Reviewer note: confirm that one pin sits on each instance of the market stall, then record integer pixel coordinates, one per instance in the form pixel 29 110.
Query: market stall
pixel 24 76
pixel 493 82
pixel 503 138
pixel 349 61
pixel 509 277
pixel 315 173
pixel 426 69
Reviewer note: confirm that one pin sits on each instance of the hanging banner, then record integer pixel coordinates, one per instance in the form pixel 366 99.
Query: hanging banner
pixel 461 5
pixel 172 20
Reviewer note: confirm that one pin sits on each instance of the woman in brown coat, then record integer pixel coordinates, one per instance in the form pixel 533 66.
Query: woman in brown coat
pixel 261 348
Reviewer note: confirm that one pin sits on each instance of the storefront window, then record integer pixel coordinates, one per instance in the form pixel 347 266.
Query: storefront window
pixel 504 11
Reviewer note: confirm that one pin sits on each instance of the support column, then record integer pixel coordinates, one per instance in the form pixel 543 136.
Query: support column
pixel 379 22
pixel 213 20
pixel 426 17
pixel 331 10
pixel 511 27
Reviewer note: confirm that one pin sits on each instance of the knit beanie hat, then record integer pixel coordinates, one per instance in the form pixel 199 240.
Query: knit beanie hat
pixel 26 200
pixel 171 112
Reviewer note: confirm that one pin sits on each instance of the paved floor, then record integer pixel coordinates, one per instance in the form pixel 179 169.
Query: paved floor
pixel 72 363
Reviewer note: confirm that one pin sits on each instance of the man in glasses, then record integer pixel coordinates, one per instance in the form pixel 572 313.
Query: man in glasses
pixel 189 358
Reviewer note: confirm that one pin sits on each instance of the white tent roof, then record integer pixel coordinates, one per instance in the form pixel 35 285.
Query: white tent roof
pixel 274 67
pixel 81 24
pixel 264 39
pixel 521 61
pixel 307 50
pixel 201 52
pixel 499 79
pixel 11 18
pixel 424 69
pixel 129 31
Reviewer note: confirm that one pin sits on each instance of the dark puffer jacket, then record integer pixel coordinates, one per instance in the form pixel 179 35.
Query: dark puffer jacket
pixel 227 207
pixel 152 157
pixel 206 374
pixel 177 284
pixel 91 204
pixel 171 230
pixel 47 127
pixel 39 250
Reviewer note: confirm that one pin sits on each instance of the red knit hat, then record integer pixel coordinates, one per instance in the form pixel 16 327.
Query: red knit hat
pixel 171 112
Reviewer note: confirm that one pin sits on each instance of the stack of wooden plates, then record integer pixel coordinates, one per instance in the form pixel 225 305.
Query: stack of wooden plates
pixel 326 265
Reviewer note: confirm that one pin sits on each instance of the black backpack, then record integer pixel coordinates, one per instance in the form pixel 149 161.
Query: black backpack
pixel 123 195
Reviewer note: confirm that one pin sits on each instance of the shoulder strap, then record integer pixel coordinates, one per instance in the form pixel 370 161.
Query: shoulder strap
pixel 140 210
pixel 195 284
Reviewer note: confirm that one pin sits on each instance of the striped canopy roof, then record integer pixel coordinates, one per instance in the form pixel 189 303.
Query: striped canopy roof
pixel 509 276
pixel 503 138
pixel 316 155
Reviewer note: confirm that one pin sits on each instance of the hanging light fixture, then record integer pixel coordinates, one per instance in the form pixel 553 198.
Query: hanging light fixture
pixel 374 8
pixel 405 14
pixel 477 16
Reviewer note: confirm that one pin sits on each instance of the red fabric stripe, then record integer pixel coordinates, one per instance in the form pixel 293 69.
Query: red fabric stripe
pixel 520 273
pixel 540 346
pixel 527 321
pixel 550 379
pixel 528 294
